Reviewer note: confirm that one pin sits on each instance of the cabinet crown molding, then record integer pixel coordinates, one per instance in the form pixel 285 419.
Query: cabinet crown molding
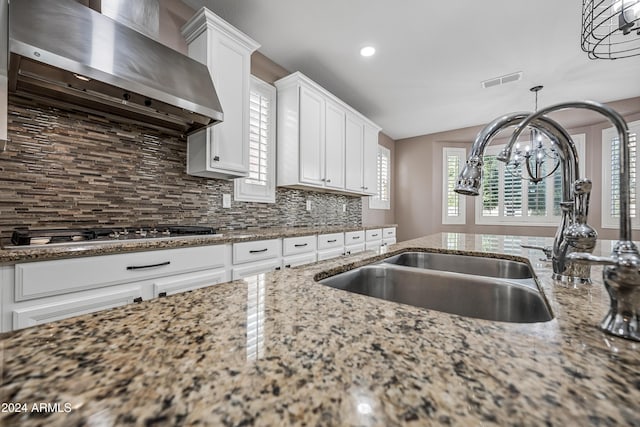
pixel 298 78
pixel 205 20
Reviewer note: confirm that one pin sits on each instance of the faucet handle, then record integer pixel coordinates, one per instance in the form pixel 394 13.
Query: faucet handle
pixel 587 258
pixel 548 251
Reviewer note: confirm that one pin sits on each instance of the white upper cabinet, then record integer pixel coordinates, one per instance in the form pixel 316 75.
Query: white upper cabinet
pixel 222 150
pixel 334 166
pixel 370 159
pixel 312 134
pixel 321 140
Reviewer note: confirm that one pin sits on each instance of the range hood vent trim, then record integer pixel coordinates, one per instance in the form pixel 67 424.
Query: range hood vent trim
pixel 128 72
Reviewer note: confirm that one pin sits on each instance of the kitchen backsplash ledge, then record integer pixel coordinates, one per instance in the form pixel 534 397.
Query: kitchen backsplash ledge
pixel 66 168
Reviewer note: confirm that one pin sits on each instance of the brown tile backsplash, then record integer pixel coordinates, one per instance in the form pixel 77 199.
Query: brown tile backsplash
pixel 65 168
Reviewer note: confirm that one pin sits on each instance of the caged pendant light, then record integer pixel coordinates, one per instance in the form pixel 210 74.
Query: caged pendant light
pixel 611 28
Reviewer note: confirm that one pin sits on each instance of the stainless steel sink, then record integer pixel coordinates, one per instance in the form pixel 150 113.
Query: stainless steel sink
pixel 483 266
pixel 472 295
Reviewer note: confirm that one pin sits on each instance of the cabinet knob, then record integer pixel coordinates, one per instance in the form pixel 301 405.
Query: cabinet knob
pixel 138 299
pixel 328 180
pixel 323 180
pixel 216 158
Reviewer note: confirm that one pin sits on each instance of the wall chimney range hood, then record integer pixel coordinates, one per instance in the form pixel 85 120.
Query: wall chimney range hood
pixel 62 51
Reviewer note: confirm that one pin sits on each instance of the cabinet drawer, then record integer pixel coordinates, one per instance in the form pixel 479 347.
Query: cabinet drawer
pixel 48 278
pixel 298 245
pixel 44 313
pixel 187 282
pixel 388 232
pixel 328 241
pixel 296 260
pixel 375 234
pixel 255 268
pixel 256 251
pixel 353 237
pixel 354 249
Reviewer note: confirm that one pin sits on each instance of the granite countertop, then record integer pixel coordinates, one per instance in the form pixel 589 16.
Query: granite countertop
pixel 280 349
pixel 83 249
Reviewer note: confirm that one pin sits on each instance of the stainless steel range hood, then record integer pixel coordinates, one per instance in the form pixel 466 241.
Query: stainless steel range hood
pixel 62 51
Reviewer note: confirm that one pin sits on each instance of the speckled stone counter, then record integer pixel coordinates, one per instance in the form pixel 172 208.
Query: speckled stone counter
pixel 281 349
pixel 89 248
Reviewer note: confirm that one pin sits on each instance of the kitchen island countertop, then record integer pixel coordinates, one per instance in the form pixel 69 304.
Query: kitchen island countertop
pixel 279 349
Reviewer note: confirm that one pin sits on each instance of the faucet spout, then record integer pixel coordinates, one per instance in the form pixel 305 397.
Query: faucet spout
pixel 470 179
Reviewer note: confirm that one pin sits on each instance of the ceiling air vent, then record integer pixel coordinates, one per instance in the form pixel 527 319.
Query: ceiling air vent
pixel 497 81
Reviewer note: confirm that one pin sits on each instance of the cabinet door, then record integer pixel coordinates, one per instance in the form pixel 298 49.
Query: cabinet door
pixel 311 137
pixel 229 139
pixel 255 268
pixel 297 260
pixel 187 282
pixel 89 302
pixel 354 140
pixel 370 159
pixel 334 146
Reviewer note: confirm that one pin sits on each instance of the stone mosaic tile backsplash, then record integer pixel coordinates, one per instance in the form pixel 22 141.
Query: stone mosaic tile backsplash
pixel 65 168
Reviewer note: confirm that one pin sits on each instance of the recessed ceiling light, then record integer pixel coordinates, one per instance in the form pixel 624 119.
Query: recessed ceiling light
pixel 367 51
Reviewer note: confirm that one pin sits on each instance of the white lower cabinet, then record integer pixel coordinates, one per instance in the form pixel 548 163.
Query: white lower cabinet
pixel 330 246
pixel 298 251
pixel 256 257
pixel 354 249
pixel 249 269
pixel 187 282
pixel 330 253
pixel 44 291
pixel 389 236
pixel 83 303
pixel 354 242
pixel 298 260
pixel 373 239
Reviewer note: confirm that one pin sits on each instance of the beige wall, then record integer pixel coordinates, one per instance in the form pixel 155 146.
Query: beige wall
pixel 382 216
pixel 419 184
pixel 173 15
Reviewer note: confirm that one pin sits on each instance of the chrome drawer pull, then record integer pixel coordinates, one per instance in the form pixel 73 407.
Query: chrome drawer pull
pixel 140 267
pixel 300 245
pixel 259 250
pixel 332 241
pixel 355 237
pixel 374 235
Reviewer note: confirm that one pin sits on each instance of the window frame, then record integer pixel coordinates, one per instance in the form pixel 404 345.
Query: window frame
pixel 609 221
pixel 245 191
pixel 375 202
pixel 460 218
pixel 525 220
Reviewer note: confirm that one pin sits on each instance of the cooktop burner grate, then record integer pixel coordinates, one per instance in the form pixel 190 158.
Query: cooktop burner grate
pixel 30 237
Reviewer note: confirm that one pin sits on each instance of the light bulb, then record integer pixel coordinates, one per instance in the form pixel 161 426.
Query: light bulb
pixel 368 51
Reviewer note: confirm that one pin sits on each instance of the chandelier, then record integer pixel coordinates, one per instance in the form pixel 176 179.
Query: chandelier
pixel 611 28
pixel 534 154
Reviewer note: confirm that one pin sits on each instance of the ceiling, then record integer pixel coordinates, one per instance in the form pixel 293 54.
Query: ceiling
pixel 431 56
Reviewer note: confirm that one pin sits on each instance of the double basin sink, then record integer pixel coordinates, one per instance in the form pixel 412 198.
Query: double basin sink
pixel 472 286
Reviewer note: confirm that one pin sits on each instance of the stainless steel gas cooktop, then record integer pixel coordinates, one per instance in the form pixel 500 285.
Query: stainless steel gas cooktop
pixel 46 237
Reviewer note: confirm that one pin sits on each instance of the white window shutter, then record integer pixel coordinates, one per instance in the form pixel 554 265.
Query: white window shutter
pixel 453 204
pixel 259 186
